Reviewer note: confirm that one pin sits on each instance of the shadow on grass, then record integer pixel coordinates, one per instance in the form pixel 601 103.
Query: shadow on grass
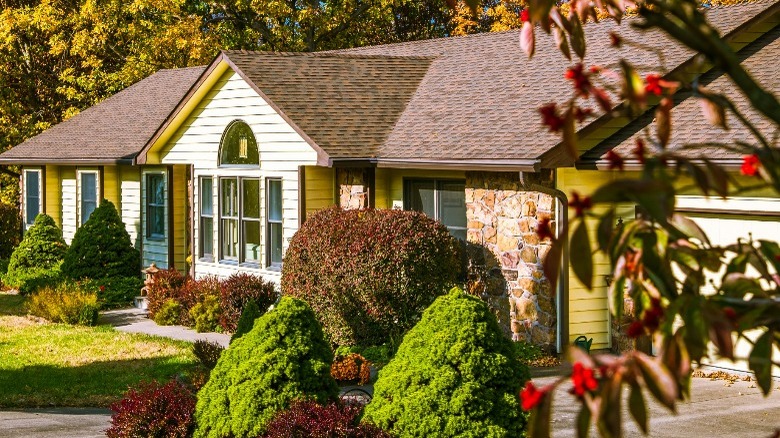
pixel 97 384
pixel 12 304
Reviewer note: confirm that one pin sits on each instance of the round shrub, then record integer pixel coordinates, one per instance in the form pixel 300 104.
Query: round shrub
pixel 154 410
pixel 369 274
pixel 455 374
pixel 247 321
pixel 168 313
pixel 101 248
pixel 42 247
pixel 206 315
pixel 10 229
pixel 66 303
pixel 283 358
pixel 192 292
pixel 307 419
pixel 237 291
pixel 352 368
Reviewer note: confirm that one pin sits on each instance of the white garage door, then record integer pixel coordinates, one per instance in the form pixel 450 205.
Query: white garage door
pixel 727 221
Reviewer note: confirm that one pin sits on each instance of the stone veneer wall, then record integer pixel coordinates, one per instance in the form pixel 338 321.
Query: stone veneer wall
pixel 502 220
pixel 353 188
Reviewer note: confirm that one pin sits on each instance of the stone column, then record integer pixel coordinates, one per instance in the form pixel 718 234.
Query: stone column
pixel 502 221
pixel 354 187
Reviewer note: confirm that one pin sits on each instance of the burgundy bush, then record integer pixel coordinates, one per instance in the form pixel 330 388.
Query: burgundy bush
pixel 193 292
pixel 307 419
pixel 154 410
pixel 167 285
pixel 369 274
pixel 236 293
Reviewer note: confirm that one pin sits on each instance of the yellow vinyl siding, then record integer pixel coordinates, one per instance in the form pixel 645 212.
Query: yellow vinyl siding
pixel 382 188
pixel 588 309
pixel 53 189
pixel 179 203
pixel 111 186
pixel 319 188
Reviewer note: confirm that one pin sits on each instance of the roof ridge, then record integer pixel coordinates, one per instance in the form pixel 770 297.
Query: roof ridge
pixel 327 54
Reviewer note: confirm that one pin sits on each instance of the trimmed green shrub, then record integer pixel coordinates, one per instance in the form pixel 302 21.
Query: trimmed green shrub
pixel 101 248
pixel 41 250
pixel 237 291
pixel 10 229
pixel 27 281
pixel 66 303
pixel 247 321
pixel 3 267
pixel 115 292
pixel 166 286
pixel 168 313
pixel 283 358
pixel 206 315
pixel 369 274
pixel 455 374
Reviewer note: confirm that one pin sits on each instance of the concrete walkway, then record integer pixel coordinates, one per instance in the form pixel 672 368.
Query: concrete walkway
pixel 55 423
pixel 135 321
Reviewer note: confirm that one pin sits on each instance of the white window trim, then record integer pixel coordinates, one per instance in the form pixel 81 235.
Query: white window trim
pixel 79 193
pixel 164 175
pixel 29 221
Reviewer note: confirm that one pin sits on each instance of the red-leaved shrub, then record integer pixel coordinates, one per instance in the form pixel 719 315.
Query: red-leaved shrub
pixel 236 293
pixel 193 292
pixel 167 284
pixel 307 419
pixel 369 274
pixel 154 410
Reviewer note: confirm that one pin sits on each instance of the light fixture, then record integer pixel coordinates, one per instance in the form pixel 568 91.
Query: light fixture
pixel 243 144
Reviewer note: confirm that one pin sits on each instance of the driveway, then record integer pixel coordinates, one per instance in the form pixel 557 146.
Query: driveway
pixel 54 423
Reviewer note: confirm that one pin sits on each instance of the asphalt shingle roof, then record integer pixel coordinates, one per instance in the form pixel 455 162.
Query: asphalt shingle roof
pixel 689 127
pixel 460 99
pixel 481 95
pixel 347 104
pixel 115 129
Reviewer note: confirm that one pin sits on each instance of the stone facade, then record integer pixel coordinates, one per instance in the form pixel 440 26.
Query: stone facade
pixel 354 187
pixel 502 220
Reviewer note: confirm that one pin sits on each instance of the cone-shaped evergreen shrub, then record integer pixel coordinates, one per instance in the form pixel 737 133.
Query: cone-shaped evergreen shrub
pixel 101 248
pixel 454 374
pixel 247 321
pixel 42 247
pixel 369 274
pixel 10 229
pixel 283 358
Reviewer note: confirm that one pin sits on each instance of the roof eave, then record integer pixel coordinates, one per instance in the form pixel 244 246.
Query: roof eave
pixel 729 164
pixel 66 162
pixel 528 165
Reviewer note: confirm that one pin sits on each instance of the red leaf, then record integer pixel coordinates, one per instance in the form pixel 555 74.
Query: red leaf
pixel 527 39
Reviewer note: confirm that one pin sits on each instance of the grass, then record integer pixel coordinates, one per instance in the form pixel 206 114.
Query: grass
pixel 46 365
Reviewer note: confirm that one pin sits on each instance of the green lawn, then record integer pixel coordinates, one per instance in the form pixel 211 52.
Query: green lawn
pixel 44 364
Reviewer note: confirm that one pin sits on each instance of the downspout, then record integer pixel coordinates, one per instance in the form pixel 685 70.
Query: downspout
pixel 562 291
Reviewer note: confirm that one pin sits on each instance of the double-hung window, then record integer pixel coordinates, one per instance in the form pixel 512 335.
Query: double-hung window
pixel 207 218
pixel 88 184
pixel 440 199
pixel 240 219
pixel 228 224
pixel 274 222
pixel 155 205
pixel 32 195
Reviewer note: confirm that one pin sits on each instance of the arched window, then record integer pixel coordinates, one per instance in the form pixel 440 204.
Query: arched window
pixel 238 147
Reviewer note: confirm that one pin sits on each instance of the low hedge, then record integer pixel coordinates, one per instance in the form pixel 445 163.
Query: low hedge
pixel 369 274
